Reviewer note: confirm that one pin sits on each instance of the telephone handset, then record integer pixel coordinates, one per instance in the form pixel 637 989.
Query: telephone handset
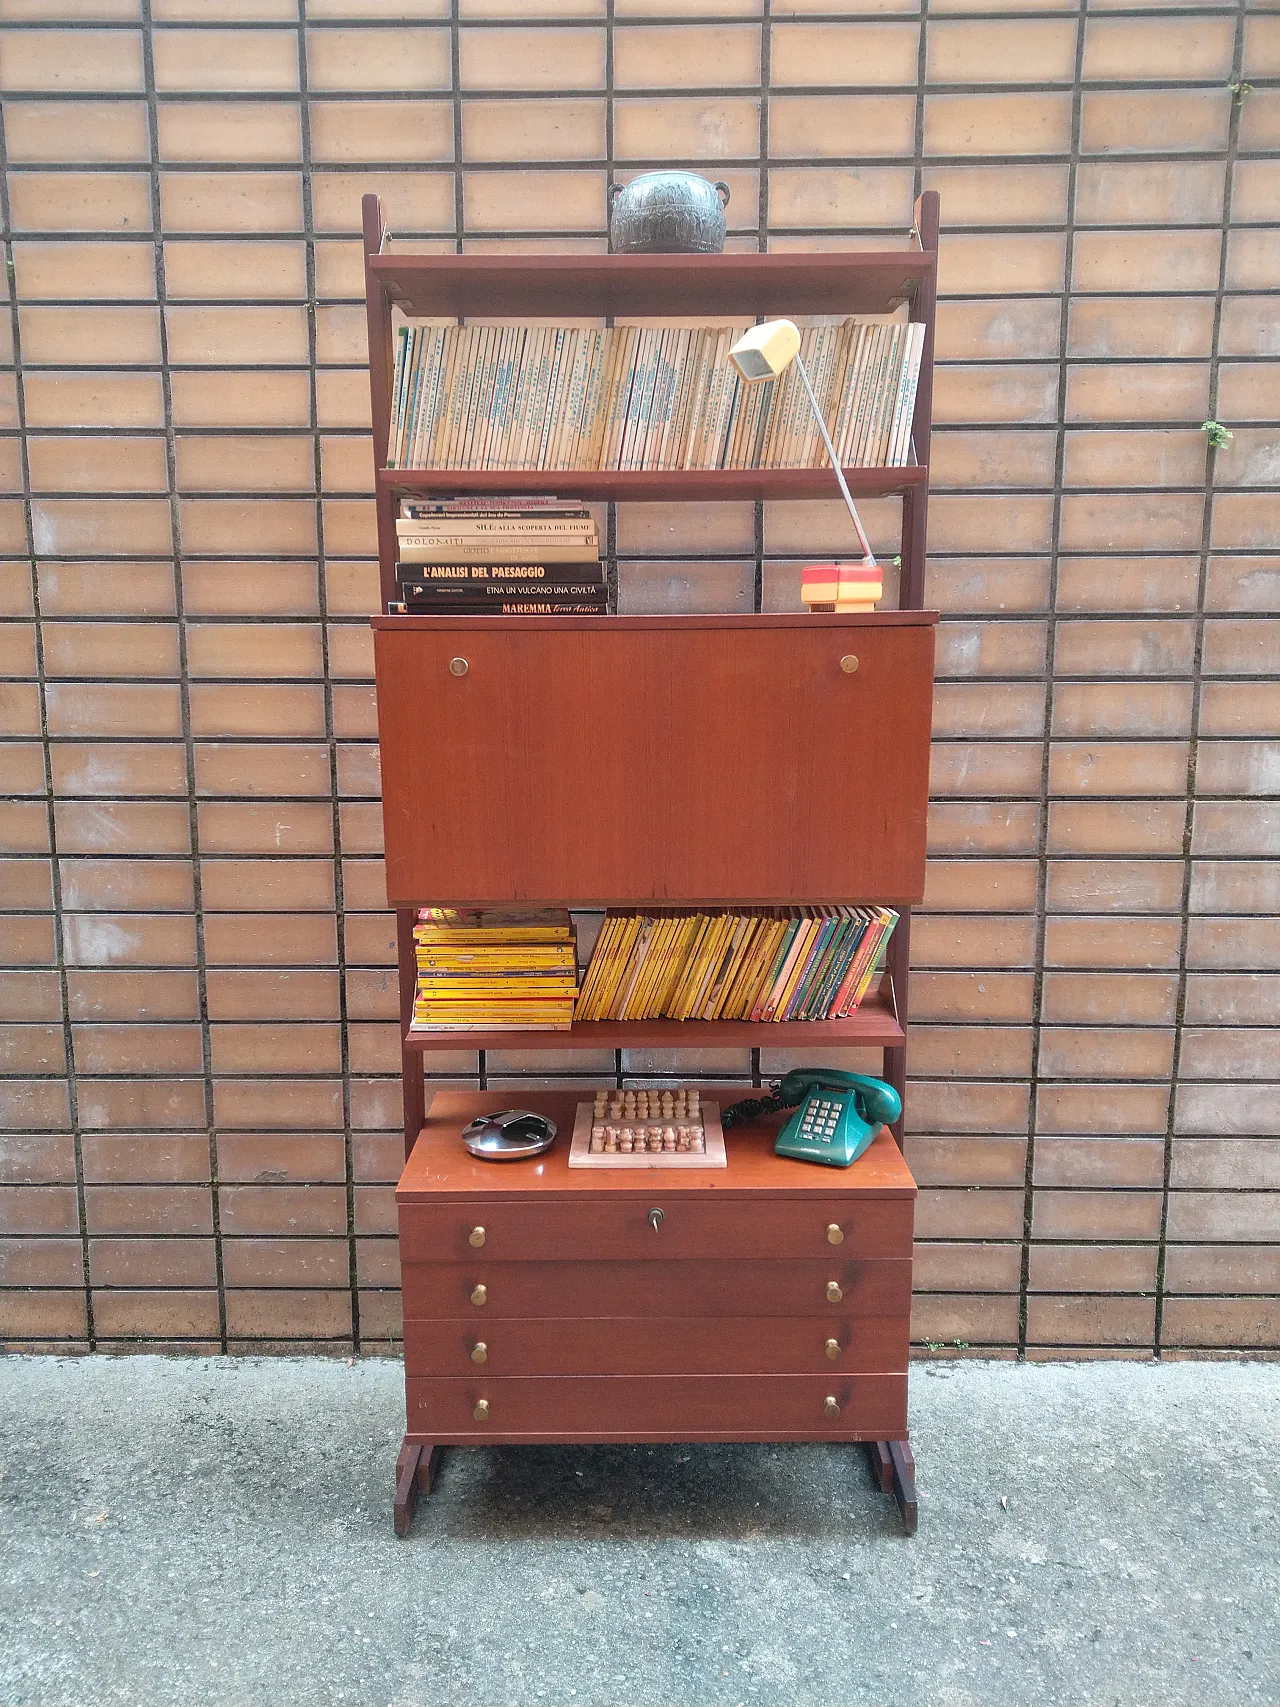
pixel 838 1114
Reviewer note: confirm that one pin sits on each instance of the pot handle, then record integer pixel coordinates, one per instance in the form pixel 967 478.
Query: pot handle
pixel 615 190
pixel 722 190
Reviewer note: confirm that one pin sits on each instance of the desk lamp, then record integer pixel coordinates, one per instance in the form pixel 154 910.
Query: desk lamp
pixel 766 352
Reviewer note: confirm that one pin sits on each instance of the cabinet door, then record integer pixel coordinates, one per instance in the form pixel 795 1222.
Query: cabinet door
pixel 631 760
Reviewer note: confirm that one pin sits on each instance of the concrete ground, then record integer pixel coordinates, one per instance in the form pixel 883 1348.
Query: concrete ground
pixel 209 1532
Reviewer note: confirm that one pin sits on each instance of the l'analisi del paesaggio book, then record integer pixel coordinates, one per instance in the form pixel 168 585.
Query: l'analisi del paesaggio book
pixel 647 397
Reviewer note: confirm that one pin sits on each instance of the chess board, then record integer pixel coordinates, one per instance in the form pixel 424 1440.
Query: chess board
pixel 670 1128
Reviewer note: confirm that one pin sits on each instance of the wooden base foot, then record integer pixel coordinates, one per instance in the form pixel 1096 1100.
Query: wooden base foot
pixel 881 1464
pixel 894 1470
pixel 415 1472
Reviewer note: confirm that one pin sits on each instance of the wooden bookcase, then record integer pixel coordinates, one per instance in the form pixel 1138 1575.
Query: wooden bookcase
pixel 599 761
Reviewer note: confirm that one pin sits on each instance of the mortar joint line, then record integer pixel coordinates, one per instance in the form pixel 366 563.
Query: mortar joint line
pixel 1197 667
pixel 1046 729
pixel 51 827
pixel 184 681
pixel 455 99
pixel 322 596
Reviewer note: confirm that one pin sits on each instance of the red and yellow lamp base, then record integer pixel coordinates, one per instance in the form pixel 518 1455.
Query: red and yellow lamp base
pixel 841 587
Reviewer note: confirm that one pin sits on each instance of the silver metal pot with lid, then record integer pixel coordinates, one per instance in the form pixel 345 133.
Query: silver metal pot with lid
pixel 668 213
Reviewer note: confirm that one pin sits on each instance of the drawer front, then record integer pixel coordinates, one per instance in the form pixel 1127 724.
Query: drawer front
pixel 839 1344
pixel 658 1407
pixel 480 1290
pixel 620 1229
pixel 649 712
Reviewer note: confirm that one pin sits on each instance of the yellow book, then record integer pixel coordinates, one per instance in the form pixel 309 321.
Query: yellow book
pixel 707 962
pixel 754 981
pixel 621 963
pixel 637 995
pixel 728 966
pixel 686 934
pixel 481 988
pixel 730 1001
pixel 635 966
pixel 680 995
pixel 681 948
pixel 599 954
pixel 618 927
pixel 518 957
pixel 671 937
pixel 611 966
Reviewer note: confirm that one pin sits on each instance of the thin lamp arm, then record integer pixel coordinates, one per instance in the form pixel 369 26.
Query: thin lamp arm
pixel 869 556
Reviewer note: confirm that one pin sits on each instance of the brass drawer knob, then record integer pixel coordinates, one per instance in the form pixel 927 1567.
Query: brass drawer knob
pixel 830 1406
pixel 835 1234
pixel 476 1237
pixel 848 663
pixel 480 1294
pixel 832 1349
pixel 458 666
pixel 835 1292
pixel 481 1412
pixel 480 1351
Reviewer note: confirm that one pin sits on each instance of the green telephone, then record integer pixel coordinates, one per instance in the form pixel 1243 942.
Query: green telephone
pixel 838 1114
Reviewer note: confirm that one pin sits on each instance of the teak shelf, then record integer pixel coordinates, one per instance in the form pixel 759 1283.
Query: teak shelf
pixel 874 1026
pixel 648 486
pixel 751 767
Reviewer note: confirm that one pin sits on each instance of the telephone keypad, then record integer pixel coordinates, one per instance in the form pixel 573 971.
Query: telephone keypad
pixel 820 1120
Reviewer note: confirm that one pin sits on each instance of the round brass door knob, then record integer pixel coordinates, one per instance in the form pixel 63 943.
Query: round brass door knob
pixel 835 1234
pixel 832 1349
pixel 458 666
pixel 848 663
pixel 480 1352
pixel 476 1237
pixel 830 1406
pixel 481 1412
pixel 480 1295
pixel 835 1292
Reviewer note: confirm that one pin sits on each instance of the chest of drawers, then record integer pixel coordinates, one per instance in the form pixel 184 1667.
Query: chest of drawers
pixel 767 1301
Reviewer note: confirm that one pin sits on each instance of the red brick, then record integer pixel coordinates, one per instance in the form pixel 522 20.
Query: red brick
pixel 272 1314
pixel 1091 1321
pixel 1222 1321
pixel 42 1315
pixel 148 1262
pixel 972 1318
pixel 156 1314
pixel 1096 1215
pixel 967 1268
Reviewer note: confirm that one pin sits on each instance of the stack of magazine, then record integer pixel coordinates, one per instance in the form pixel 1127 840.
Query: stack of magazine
pixel 499 556
pixel 494 971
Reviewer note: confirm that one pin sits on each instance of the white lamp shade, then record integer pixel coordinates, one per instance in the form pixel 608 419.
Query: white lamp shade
pixel 766 351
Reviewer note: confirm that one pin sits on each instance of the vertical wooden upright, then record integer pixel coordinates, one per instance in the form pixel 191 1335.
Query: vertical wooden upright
pixel 378 315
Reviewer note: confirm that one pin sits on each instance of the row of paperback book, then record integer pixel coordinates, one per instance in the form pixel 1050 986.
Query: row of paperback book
pixel 537 556
pixel 647 397
pixel 494 971
pixel 762 964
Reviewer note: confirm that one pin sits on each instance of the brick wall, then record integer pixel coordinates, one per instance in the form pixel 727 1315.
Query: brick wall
pixel 196 1003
